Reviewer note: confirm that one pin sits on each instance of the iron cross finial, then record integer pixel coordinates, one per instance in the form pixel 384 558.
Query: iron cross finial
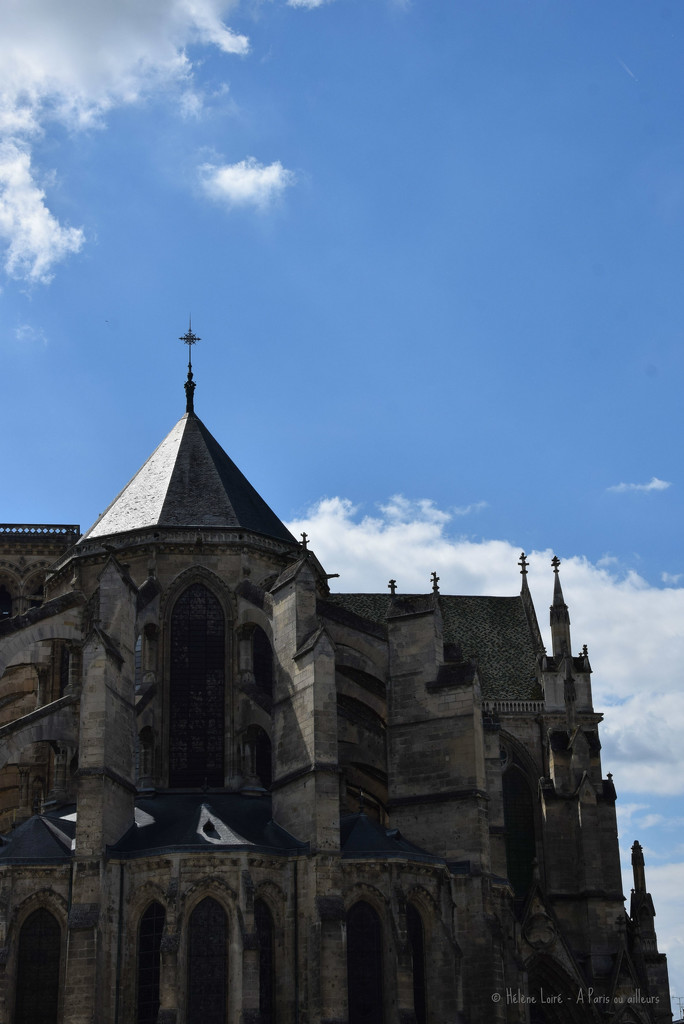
pixel 393 587
pixel 523 563
pixel 435 581
pixel 190 339
pixel 305 541
pixel 555 562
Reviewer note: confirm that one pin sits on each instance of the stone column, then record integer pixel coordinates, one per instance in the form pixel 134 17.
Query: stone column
pixel 81 1001
pixel 168 979
pixel 333 960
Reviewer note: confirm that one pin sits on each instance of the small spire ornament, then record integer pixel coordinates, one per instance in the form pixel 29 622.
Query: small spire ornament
pixel 190 339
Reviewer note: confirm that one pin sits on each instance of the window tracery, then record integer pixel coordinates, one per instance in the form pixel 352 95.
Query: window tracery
pixel 197 690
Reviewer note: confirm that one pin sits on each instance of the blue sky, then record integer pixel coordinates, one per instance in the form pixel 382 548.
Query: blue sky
pixel 434 253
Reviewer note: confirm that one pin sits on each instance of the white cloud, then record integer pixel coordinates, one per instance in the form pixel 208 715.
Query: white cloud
pixel 35 239
pixel 654 485
pixel 634 631
pixel 671 579
pixel 310 4
pixel 246 183
pixel 71 63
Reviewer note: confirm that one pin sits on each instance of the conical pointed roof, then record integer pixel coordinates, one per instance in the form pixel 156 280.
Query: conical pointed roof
pixel 189 481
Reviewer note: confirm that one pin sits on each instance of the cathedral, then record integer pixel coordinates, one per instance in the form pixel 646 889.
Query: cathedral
pixel 231 795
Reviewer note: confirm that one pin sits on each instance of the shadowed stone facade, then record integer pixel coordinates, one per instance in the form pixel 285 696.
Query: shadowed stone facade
pixel 228 794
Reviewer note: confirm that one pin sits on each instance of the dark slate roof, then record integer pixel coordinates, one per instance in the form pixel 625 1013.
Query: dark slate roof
pixel 494 631
pixel 209 821
pixel 41 839
pixel 189 481
pixel 361 836
pixel 163 822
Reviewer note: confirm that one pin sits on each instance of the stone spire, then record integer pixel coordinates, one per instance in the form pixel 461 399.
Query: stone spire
pixel 560 617
pixel 523 563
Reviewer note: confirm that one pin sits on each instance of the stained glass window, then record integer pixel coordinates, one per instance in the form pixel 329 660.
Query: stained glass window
pixel 37 992
pixel 149 947
pixel 197 690
pixel 519 826
pixel 364 965
pixel 207 962
pixel 416 937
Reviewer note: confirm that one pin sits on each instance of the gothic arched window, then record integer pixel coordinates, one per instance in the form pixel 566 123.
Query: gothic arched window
pixel 149 949
pixel 197 690
pixel 416 937
pixel 364 964
pixel 37 991
pixel 519 830
pixel 264 929
pixel 207 963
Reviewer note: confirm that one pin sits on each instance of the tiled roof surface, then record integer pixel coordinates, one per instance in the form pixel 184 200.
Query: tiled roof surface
pixel 41 839
pixel 163 821
pixel 361 836
pixel 492 630
pixel 189 481
pixel 172 821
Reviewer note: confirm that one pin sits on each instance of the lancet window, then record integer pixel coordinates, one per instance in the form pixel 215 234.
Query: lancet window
pixel 207 963
pixel 416 937
pixel 519 830
pixel 38 962
pixel 264 928
pixel 364 964
pixel 197 690
pixel 149 950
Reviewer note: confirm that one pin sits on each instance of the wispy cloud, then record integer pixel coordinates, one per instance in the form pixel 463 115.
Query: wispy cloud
pixel 654 485
pixel 466 510
pixel 627 69
pixel 72 63
pixel 247 183
pixel 306 3
pixel 26 334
